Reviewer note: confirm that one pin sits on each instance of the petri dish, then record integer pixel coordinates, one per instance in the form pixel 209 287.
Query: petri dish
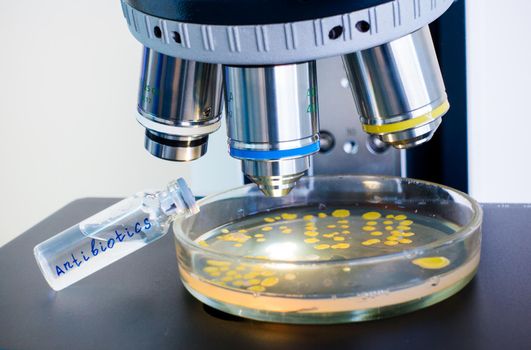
pixel 336 249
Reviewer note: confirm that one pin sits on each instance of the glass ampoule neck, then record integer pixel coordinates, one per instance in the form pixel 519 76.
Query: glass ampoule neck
pixel 177 199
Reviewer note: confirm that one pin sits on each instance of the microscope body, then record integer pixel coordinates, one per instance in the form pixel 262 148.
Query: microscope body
pixel 262 64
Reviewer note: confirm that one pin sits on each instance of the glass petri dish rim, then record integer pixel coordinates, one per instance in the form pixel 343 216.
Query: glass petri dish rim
pixel 470 228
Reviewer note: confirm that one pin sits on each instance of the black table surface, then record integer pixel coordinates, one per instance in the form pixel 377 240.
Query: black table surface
pixel 139 302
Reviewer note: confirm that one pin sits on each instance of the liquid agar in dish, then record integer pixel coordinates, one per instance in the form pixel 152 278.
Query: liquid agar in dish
pixel 266 260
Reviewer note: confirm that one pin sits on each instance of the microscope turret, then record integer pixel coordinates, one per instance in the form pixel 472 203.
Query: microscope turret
pixel 259 57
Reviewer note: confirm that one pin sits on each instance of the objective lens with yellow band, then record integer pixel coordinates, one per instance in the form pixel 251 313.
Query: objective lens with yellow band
pixel 410 123
pixel 399 89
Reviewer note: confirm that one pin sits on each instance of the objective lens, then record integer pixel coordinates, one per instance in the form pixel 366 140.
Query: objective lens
pixel 179 104
pixel 272 122
pixel 399 90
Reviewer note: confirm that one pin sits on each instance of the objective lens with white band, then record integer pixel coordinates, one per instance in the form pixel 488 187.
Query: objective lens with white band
pixel 179 105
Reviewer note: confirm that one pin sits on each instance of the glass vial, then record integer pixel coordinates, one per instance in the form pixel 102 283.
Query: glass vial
pixel 112 234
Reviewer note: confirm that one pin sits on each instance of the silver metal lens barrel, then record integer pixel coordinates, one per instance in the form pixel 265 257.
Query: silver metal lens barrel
pixel 179 104
pixel 272 122
pixel 399 89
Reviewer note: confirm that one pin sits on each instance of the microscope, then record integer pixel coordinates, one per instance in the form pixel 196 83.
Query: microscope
pixel 256 63
pixel 355 247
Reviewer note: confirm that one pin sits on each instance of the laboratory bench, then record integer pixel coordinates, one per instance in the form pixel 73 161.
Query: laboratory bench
pixel 140 303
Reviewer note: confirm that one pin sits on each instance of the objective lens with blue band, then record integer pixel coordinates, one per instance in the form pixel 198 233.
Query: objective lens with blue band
pixel 275 154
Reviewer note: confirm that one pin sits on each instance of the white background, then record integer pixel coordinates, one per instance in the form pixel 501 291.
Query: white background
pixel 68 81
pixel 69 74
pixel 499 78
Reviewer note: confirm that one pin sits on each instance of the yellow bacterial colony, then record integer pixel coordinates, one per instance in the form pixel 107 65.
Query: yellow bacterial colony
pixel 432 263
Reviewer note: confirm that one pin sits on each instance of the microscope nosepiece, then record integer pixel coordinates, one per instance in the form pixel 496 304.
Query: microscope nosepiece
pixel 272 122
pixel 399 89
pixel 179 104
